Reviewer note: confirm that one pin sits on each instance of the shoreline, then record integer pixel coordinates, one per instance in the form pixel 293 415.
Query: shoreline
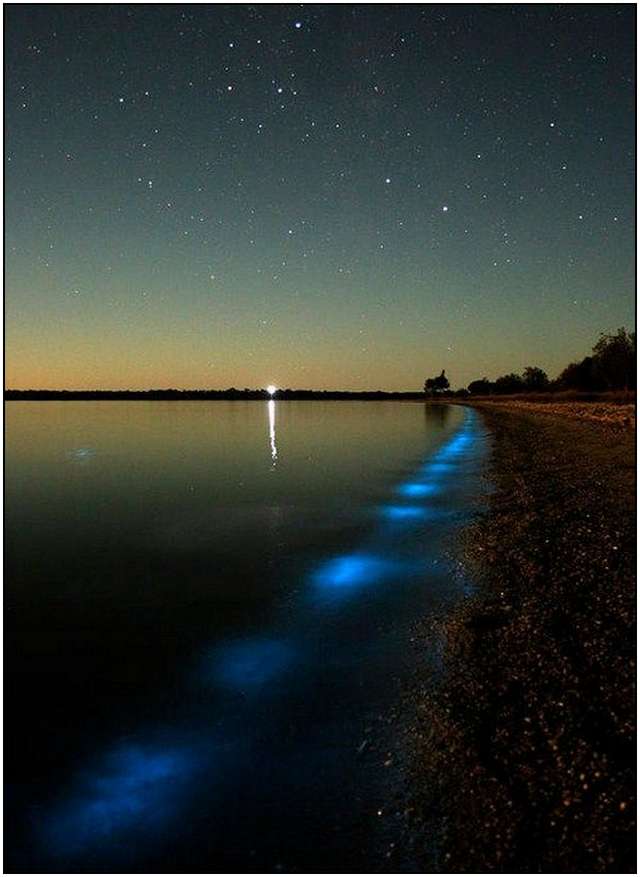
pixel 613 414
pixel 522 754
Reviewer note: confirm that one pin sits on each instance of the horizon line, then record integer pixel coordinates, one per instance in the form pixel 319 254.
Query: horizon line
pixel 244 390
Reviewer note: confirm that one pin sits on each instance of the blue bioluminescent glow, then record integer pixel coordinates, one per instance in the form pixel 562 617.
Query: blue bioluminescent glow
pixel 417 488
pixel 456 446
pixel 135 788
pixel 251 663
pixel 436 468
pixel 343 575
pixel 458 443
pixel 404 512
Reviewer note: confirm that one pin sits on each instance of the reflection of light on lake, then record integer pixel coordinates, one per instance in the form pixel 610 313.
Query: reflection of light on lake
pixel 272 431
pixel 81 455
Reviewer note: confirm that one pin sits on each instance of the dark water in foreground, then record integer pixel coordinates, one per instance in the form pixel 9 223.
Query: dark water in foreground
pixel 208 606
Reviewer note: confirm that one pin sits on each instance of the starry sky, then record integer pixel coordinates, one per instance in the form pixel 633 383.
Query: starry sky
pixel 321 196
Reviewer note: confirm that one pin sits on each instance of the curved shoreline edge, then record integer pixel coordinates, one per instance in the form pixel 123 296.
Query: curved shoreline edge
pixel 522 756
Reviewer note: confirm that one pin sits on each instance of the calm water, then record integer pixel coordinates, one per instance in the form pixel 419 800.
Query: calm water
pixel 208 610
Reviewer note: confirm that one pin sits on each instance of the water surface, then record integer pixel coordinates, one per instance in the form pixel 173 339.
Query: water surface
pixel 208 611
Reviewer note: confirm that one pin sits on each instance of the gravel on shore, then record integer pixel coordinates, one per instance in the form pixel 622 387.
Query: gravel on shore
pixel 523 752
pixel 614 415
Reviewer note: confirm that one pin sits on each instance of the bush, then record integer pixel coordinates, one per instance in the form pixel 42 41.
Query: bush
pixel 535 379
pixel 482 387
pixel 615 360
pixel 508 384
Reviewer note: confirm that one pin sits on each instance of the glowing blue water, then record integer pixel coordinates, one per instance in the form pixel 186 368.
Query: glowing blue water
pixel 344 575
pixel 404 512
pixel 251 663
pixel 291 697
pixel 418 489
pixel 132 788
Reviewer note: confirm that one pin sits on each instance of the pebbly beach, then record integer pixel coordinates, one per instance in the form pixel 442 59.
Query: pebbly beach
pixel 522 753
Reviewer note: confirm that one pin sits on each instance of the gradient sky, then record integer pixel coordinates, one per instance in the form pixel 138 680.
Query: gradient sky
pixel 316 196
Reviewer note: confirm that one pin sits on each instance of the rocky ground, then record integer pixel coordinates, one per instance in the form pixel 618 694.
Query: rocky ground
pixel 523 754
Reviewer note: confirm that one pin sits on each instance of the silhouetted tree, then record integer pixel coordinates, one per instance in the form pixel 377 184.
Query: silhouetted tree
pixel 612 367
pixel 434 386
pixel 481 387
pixel 615 360
pixel 579 376
pixel 507 384
pixel 534 378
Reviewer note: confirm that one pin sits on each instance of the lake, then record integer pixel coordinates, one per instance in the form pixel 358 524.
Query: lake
pixel 208 619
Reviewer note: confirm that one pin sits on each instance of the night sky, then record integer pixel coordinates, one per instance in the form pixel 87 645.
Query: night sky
pixel 349 197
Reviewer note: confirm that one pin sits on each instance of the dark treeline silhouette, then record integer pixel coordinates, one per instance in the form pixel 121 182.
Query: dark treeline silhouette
pixel 612 366
pixel 186 395
pixel 436 386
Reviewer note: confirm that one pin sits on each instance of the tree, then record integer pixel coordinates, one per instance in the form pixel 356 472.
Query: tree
pixel 580 376
pixel 507 384
pixel 615 360
pixel 434 386
pixel 481 387
pixel 535 379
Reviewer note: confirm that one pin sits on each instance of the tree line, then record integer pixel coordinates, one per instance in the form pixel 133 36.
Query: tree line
pixel 611 366
pixel 231 394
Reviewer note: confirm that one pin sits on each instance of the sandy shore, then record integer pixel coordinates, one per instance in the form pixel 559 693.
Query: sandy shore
pixel 523 753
